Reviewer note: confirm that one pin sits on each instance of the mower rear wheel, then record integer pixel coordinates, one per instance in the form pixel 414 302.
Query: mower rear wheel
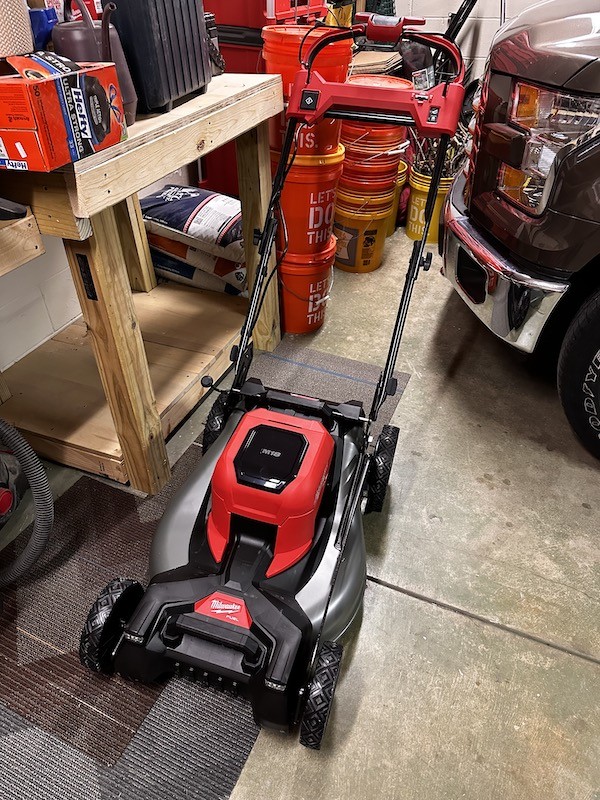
pixel 217 417
pixel 381 468
pixel 320 695
pixel 106 622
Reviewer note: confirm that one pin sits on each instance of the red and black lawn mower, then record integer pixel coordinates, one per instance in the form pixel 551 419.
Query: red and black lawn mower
pixel 258 566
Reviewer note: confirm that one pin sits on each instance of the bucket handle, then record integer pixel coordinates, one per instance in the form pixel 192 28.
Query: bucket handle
pixel 307 299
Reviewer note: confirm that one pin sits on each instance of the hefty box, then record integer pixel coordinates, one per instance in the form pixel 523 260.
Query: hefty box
pixel 54 111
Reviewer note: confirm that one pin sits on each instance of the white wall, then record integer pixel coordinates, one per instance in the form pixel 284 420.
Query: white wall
pixel 479 31
pixel 39 299
pixel 36 301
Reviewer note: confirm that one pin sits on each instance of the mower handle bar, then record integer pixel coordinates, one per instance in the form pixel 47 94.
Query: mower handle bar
pixel 378 28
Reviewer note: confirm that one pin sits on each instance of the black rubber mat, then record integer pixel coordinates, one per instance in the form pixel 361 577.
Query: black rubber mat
pixel 66 733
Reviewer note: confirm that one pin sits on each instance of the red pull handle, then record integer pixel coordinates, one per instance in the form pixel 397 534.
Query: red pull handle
pixel 379 28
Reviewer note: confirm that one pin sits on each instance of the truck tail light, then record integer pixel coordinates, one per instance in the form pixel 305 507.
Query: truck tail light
pixel 551 121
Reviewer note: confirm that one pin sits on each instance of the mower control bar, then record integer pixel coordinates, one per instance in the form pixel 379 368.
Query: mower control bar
pixel 434 112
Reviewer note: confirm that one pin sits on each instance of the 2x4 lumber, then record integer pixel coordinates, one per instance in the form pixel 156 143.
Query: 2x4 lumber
pixel 99 271
pixel 48 197
pixel 20 242
pixel 254 175
pixel 134 241
pixel 162 144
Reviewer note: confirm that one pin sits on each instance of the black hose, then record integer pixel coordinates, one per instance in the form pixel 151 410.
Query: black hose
pixel 42 500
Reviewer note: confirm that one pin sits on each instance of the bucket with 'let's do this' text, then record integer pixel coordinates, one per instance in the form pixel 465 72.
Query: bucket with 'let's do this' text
pixel 308 201
pixel 304 289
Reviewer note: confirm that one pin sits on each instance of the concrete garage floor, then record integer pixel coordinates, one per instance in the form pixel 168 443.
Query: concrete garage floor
pixel 476 671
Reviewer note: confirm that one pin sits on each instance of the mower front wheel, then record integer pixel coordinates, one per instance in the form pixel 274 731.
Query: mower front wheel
pixel 106 622
pixel 381 468
pixel 320 695
pixel 217 417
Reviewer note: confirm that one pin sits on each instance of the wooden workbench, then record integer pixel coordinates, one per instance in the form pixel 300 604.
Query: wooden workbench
pixel 103 394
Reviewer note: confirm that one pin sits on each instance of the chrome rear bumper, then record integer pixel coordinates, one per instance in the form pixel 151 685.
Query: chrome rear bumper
pixel 515 306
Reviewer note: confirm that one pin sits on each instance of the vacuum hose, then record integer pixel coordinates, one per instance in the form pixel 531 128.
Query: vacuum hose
pixel 43 504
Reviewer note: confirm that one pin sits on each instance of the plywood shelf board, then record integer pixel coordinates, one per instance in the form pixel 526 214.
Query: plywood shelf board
pixel 58 400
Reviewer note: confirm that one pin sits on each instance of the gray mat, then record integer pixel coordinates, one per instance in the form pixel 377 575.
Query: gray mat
pixel 297 368
pixel 66 733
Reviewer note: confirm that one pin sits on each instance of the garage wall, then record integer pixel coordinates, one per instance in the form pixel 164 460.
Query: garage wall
pixel 38 299
pixel 477 34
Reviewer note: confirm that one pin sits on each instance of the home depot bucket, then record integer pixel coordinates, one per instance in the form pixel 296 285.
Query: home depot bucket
pixel 400 184
pixel 367 167
pixel 305 282
pixel 308 201
pixel 281 53
pixel 384 137
pixel 415 222
pixel 311 140
pixel 360 227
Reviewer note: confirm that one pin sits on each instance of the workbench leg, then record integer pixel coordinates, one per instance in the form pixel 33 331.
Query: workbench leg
pixel 254 173
pixel 99 271
pixel 134 242
pixel 4 390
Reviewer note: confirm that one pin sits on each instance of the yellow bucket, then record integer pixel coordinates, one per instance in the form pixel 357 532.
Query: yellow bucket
pixel 415 221
pixel 400 184
pixel 360 227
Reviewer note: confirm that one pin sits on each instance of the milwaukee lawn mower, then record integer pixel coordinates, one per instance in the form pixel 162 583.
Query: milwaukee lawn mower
pixel 257 568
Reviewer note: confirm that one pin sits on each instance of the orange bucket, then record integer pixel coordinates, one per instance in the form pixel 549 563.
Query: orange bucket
pixel 281 53
pixel 370 167
pixel 360 186
pixel 312 140
pixel 305 282
pixel 308 201
pixel 379 136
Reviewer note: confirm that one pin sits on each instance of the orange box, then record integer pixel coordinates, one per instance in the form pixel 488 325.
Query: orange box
pixel 54 111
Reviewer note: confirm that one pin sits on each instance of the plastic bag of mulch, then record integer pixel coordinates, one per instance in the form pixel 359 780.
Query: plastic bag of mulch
pixel 182 261
pixel 198 218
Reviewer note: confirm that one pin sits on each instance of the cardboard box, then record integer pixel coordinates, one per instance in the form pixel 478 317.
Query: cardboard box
pixel 53 111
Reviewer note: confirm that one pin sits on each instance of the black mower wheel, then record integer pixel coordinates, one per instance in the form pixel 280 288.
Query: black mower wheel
pixel 320 695
pixel 381 468
pixel 105 623
pixel 217 417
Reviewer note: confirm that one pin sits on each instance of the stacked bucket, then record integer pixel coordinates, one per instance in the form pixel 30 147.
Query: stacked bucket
pixel 372 178
pixel 306 246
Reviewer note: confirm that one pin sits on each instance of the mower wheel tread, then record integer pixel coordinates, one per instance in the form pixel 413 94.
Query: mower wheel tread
pixel 106 621
pixel 381 468
pixel 217 417
pixel 320 695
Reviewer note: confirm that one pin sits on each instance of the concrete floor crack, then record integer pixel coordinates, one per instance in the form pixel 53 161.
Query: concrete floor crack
pixel 531 637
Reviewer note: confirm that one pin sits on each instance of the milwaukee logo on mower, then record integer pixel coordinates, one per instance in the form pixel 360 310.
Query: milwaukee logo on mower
pixel 224 608
pixel 219 607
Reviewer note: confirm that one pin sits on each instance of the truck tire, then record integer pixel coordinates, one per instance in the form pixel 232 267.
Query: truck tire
pixel 579 374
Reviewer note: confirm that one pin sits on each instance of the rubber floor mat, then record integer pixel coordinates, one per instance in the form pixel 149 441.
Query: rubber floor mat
pixel 295 367
pixel 66 733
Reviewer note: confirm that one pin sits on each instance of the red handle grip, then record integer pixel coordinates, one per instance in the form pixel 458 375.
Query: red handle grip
pixel 379 28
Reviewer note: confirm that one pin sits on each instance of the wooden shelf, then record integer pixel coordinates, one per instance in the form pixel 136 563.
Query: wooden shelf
pixel 57 397
pixel 20 242
pixel 160 144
